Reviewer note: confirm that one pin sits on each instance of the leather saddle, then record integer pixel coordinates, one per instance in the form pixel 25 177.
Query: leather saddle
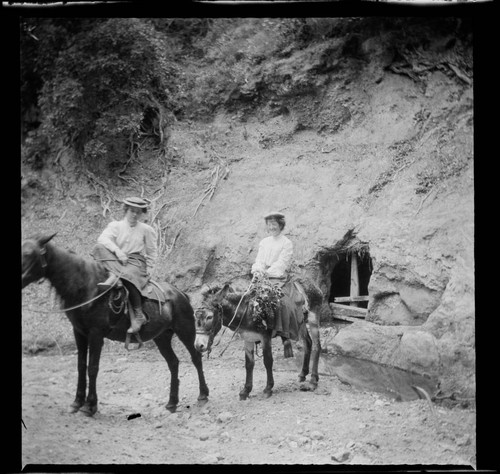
pixel 154 291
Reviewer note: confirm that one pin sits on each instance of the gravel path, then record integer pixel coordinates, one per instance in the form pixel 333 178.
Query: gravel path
pixel 336 424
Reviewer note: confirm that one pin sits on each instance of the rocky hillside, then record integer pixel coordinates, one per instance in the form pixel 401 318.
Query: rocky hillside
pixel 361 132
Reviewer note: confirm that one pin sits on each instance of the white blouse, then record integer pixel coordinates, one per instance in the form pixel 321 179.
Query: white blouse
pixel 274 256
pixel 138 239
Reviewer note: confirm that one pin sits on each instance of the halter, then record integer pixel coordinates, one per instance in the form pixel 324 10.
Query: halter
pixel 219 307
pixel 41 259
pixel 211 333
pixel 203 332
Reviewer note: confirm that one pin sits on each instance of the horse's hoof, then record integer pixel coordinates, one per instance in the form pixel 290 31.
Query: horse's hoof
pixel 308 387
pixel 268 393
pixel 74 407
pixel 87 410
pixel 243 396
pixel 202 401
pixel 171 408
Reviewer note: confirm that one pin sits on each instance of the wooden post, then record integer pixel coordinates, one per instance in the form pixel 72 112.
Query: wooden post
pixel 354 278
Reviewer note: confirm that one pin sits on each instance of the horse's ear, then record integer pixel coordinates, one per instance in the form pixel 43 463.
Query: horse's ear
pixel 44 240
pixel 205 290
pixel 216 287
pixel 226 289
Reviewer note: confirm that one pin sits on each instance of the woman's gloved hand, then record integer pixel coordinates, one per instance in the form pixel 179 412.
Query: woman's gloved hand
pixel 122 256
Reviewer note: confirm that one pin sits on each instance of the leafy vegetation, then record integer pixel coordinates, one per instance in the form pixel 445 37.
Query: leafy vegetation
pixel 101 86
pixel 109 82
pixel 104 87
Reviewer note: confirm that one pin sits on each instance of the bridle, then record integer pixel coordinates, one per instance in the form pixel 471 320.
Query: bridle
pixel 212 332
pixel 203 309
pixel 43 262
pixel 219 307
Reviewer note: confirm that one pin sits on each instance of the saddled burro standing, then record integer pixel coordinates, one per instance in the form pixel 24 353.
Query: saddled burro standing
pixel 276 303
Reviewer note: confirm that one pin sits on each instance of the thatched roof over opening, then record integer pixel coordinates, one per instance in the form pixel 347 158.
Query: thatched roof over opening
pixel 347 245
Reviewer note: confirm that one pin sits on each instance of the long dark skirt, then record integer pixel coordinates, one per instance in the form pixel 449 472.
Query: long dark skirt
pixel 135 271
pixel 290 313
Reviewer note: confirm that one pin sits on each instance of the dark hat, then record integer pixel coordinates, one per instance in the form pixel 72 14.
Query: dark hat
pixel 274 215
pixel 137 202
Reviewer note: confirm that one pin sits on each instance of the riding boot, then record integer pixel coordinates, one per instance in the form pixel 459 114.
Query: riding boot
pixel 110 281
pixel 137 319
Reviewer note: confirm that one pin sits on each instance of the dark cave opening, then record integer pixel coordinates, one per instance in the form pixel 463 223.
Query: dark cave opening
pixel 340 277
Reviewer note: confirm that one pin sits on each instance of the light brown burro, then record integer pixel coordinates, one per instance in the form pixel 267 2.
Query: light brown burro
pixel 94 317
pixel 225 307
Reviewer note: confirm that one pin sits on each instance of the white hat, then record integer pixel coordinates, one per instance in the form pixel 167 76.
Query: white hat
pixel 137 202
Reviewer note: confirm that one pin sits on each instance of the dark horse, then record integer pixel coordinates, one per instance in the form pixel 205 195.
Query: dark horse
pixel 234 310
pixel 75 281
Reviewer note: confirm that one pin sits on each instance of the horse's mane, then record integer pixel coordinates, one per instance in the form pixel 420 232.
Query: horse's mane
pixel 216 295
pixel 233 298
pixel 85 264
pixel 74 277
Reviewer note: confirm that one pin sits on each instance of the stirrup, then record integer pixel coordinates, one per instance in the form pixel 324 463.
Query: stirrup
pixel 127 341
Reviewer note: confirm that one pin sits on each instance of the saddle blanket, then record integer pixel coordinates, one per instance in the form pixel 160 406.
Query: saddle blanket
pixel 153 291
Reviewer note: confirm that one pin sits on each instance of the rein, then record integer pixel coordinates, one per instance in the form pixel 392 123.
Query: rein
pixel 235 331
pixel 43 264
pixel 220 309
pixel 130 260
pixel 78 305
pixel 232 319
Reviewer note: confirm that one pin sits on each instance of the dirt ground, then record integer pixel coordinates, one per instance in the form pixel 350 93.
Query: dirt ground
pixel 334 425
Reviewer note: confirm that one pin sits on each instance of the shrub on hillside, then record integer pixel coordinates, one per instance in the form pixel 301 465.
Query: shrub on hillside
pixel 102 83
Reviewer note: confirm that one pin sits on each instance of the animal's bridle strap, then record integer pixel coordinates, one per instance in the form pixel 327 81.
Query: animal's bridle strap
pixel 237 327
pixel 204 332
pixel 43 261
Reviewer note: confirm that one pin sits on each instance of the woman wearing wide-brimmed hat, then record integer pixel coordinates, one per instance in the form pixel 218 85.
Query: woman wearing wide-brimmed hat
pixel 128 249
